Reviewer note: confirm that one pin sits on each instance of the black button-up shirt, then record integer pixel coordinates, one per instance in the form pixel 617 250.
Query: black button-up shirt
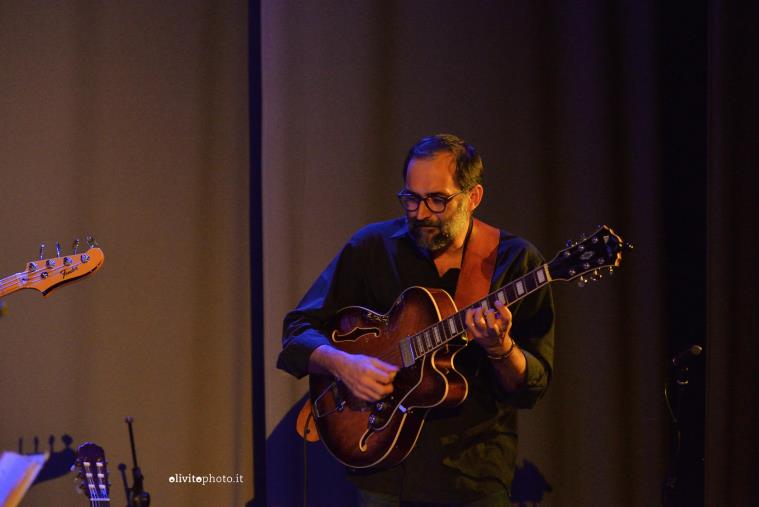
pixel 462 453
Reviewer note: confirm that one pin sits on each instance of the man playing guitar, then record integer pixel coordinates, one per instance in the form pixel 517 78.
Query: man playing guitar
pixel 466 452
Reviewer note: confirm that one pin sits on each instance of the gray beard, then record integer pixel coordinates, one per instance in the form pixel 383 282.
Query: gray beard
pixel 446 231
pixel 437 241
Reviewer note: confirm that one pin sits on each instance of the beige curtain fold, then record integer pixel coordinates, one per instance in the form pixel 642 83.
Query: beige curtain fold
pixel 128 121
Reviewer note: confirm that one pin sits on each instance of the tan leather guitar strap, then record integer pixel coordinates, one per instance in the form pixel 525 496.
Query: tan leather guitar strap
pixel 478 264
pixel 305 416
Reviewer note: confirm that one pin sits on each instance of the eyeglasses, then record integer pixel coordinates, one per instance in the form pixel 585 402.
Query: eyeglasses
pixel 436 203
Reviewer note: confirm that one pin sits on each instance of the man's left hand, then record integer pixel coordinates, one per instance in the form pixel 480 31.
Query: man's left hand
pixel 490 328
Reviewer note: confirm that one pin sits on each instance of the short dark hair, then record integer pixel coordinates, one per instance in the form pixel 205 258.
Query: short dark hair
pixel 469 166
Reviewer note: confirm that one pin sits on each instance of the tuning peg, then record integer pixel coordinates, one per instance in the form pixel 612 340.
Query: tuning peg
pixel 42 250
pixel 628 247
pixel 57 248
pixel 583 281
pixel 91 241
pixel 75 246
pixel 569 243
pixel 611 270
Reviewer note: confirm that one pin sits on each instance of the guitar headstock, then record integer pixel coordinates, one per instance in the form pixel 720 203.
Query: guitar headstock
pixel 92 472
pixel 46 275
pixel 602 251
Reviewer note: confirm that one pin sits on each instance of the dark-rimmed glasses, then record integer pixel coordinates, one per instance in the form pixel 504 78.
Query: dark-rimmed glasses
pixel 436 203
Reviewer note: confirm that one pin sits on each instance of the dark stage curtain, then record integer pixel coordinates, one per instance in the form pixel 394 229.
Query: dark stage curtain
pixel 732 345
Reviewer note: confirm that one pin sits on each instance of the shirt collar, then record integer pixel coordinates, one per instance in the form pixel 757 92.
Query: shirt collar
pixel 402 230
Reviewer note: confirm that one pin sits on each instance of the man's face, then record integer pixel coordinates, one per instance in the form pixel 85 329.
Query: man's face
pixel 435 176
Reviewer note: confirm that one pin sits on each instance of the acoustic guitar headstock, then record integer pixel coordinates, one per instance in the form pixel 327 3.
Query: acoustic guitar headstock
pixel 92 473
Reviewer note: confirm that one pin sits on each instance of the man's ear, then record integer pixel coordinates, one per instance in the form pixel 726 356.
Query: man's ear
pixel 475 197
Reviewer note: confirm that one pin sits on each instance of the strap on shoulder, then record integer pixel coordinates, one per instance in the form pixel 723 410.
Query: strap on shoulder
pixel 478 265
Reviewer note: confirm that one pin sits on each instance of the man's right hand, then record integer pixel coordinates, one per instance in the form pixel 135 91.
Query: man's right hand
pixel 368 378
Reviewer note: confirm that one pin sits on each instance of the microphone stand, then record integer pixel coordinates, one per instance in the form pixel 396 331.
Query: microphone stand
pixel 679 364
pixel 136 495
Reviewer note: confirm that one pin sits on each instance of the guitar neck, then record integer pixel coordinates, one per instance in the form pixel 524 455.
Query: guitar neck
pixel 442 332
pixel 11 284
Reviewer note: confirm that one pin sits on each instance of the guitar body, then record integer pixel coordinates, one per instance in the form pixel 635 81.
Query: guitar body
pixel 369 435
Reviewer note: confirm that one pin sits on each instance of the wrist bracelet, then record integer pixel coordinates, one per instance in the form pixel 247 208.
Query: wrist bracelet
pixel 501 357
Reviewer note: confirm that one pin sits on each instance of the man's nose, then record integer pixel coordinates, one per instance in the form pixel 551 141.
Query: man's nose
pixel 423 211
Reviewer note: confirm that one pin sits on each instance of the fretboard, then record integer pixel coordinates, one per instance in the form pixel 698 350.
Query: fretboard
pixel 11 284
pixel 442 332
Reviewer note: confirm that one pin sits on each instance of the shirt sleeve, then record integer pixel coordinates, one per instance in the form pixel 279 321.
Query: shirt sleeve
pixel 339 285
pixel 533 330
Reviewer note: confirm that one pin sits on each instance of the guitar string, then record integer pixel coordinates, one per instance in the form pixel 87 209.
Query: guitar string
pixel 34 276
pixel 18 278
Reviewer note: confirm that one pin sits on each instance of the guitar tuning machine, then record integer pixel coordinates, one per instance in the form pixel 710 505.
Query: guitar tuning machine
pixel 75 246
pixel 91 241
pixel 57 248
pixel 42 250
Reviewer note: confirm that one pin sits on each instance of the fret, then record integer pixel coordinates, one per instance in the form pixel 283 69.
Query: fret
pixel 442 331
pixel 428 336
pixel 416 344
pixel 459 324
pixel 533 281
pixel 511 293
pixel 452 326
pixel 541 276
pixel 519 286
pixel 529 283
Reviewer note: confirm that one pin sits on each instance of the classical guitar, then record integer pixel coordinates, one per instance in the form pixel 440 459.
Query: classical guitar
pixel 417 334
pixel 46 275
pixel 92 472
